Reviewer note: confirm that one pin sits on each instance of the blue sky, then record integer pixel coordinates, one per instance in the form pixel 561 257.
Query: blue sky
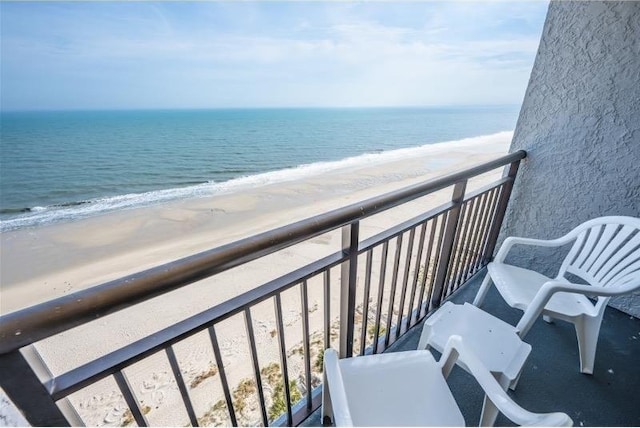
pixel 104 55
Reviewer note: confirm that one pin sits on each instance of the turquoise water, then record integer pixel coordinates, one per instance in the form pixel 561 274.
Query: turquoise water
pixel 57 166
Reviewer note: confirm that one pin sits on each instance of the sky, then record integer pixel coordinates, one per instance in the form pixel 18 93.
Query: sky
pixel 107 55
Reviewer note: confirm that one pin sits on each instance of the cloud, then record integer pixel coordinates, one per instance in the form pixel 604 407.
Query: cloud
pixel 217 55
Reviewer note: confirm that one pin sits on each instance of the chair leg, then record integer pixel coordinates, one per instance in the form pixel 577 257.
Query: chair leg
pixel 482 292
pixel 489 410
pixel 547 319
pixel 587 330
pixel 327 409
pixel 423 344
pixel 514 383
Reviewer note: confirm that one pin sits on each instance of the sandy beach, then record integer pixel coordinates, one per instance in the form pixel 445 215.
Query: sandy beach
pixel 39 264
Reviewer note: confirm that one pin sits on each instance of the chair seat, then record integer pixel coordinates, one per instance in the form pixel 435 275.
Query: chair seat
pixel 495 342
pixel 518 287
pixel 401 389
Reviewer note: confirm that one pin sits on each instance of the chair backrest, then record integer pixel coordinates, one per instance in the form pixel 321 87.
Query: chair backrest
pixel 606 252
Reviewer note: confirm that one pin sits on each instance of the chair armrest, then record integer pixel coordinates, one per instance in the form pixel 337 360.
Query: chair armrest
pixel 513 240
pixel 549 288
pixel 455 350
pixel 339 403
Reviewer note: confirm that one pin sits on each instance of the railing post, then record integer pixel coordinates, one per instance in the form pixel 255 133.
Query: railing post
pixel 348 277
pixel 510 171
pixel 21 384
pixel 446 249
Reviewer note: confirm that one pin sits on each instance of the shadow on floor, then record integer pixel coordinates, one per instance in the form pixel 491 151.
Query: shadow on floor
pixel 551 380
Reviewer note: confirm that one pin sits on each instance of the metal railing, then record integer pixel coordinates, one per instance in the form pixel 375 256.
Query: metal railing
pixel 387 284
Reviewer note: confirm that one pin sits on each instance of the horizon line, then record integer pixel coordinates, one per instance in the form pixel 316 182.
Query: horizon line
pixel 114 109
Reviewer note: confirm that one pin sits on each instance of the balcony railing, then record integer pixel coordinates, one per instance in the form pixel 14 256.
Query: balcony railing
pixel 386 284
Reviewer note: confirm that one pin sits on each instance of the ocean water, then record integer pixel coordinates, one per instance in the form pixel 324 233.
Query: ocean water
pixel 59 166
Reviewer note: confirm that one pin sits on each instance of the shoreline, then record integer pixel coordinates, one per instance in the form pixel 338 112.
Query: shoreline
pixel 39 258
pixel 75 210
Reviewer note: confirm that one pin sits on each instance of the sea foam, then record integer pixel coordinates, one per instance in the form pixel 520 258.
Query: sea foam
pixel 37 216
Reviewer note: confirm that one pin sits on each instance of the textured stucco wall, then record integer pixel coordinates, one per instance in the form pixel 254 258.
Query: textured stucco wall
pixel 580 124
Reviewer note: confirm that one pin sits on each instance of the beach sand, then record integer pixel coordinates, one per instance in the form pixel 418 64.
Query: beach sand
pixel 39 264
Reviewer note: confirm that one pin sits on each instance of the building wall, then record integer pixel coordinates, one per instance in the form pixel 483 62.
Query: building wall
pixel 580 124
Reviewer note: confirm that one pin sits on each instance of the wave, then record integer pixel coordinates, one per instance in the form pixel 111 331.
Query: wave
pixel 35 216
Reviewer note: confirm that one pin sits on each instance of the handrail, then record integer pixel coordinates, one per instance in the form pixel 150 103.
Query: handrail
pixel 31 324
pixel 73 379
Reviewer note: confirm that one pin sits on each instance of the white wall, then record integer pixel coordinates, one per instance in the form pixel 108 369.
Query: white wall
pixel 580 124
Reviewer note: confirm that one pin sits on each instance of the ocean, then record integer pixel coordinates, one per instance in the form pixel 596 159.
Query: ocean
pixel 64 165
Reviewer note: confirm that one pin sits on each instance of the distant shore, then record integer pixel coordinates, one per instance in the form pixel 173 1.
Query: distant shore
pixel 42 263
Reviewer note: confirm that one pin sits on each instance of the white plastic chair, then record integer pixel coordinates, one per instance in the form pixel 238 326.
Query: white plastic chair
pixel 494 342
pixel 605 254
pixel 409 389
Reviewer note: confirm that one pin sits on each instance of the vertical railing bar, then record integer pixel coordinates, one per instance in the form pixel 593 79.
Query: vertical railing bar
pixel 365 303
pixel 432 235
pixel 405 283
pixel 383 271
pixel 458 247
pixel 496 207
pixel 416 274
pixel 256 364
pixel 304 297
pixel 494 203
pixel 439 245
pixel 129 397
pixel 175 368
pixel 327 308
pixel 348 284
pixel 509 171
pixel 392 296
pixel 283 358
pixel 20 382
pixel 477 236
pixel 468 233
pixel 482 231
pixel 223 375
pixel 491 203
pixel 450 223
pixel 465 216
pixel 477 207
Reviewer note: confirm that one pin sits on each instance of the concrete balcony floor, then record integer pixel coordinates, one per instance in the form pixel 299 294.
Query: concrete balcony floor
pixel 551 380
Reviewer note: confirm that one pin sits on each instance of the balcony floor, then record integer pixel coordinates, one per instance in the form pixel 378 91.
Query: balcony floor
pixel 551 380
